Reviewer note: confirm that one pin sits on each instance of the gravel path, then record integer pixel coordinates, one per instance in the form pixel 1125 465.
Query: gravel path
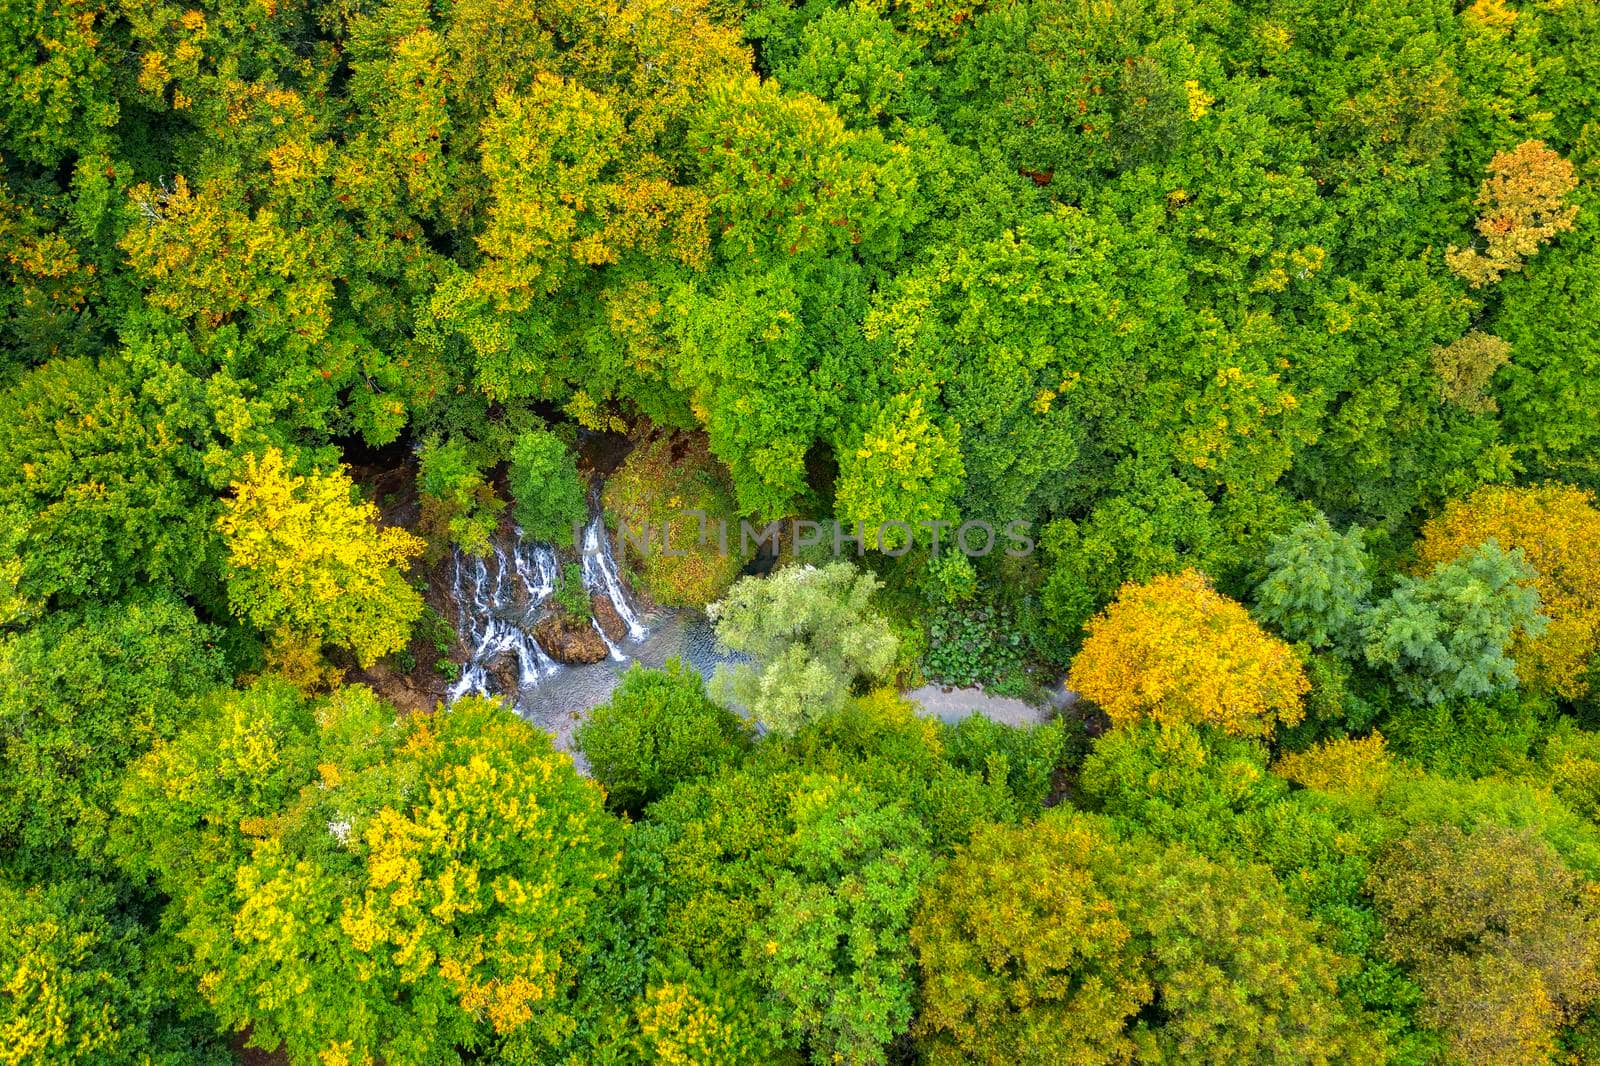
pixel 952 705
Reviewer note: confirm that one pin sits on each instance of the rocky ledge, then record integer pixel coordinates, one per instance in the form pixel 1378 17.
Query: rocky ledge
pixel 605 612
pixel 569 640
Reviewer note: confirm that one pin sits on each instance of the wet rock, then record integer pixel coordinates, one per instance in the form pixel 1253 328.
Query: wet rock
pixel 506 672
pixel 567 640
pixel 605 612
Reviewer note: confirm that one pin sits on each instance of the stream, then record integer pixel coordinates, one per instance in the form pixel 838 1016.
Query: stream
pixel 501 597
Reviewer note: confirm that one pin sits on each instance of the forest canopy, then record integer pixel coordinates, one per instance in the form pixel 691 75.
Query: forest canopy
pixel 341 345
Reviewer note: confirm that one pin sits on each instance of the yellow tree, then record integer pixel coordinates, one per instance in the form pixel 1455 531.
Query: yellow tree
pixel 1175 650
pixel 1557 527
pixel 306 561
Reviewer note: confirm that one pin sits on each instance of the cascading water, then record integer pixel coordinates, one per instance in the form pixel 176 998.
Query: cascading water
pixel 600 577
pixel 500 598
pixel 495 616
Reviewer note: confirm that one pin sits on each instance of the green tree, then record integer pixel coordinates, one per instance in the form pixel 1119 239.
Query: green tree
pixel 656 731
pixel 812 633
pixel 786 178
pixel 902 467
pixel 1317 584
pixel 547 497
pixel 59 98
pixel 100 485
pixel 82 694
pixel 836 935
pixel 853 58
pixel 1238 971
pixel 190 808
pixel 79 985
pixel 1448 634
pixel 806 882
pixel 1550 384
pixel 1482 737
pixel 951 781
pixel 1180 783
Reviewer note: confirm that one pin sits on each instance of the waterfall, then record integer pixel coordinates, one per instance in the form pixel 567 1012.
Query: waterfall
pixel 501 596
pixel 536 571
pixel 600 575
pixel 489 618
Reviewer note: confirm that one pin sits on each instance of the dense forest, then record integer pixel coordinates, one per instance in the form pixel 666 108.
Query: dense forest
pixel 1268 331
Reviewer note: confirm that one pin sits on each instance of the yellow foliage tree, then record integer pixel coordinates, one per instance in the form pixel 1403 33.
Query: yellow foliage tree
pixel 1175 650
pixel 307 561
pixel 1557 527
pixel 1345 766
pixel 1522 206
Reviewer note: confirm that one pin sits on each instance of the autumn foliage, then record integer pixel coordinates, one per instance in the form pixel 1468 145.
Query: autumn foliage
pixel 1025 952
pixel 1175 650
pixel 1465 367
pixel 1523 206
pixel 1178 299
pixel 1558 529
pixel 307 562
pixel 1505 939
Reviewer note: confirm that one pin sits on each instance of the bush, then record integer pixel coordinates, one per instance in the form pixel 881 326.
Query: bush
pixel 548 497
pixel 1027 758
pixel 658 729
pixel 972 646
pixel 1471 738
pixel 459 506
pixel 662 481
pixel 81 695
pixel 571 596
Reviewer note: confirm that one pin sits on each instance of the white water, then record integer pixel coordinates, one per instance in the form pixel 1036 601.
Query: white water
pixel 600 575
pixel 499 600
pixel 495 615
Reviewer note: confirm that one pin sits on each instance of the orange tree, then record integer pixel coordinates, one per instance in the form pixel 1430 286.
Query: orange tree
pixel 1524 205
pixel 1556 526
pixel 1175 650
